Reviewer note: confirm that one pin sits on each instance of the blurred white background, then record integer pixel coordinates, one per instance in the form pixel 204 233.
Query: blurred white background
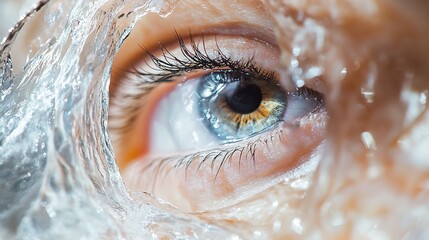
pixel 11 11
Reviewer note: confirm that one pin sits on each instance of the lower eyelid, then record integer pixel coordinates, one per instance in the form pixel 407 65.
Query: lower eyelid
pixel 217 178
pixel 263 160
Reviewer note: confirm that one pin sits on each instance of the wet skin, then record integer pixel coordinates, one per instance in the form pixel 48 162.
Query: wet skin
pixel 372 174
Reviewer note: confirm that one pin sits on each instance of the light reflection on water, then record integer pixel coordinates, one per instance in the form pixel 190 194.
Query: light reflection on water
pixel 57 168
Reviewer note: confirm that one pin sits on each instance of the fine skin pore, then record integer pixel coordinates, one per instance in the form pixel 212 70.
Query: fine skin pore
pixel 371 145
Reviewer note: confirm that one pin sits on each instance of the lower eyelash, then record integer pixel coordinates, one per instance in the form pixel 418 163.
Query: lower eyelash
pixel 246 152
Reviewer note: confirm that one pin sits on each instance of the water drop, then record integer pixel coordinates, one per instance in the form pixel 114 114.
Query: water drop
pixel 368 95
pixel 297 225
pixel 300 83
pixel 368 141
pixel 423 97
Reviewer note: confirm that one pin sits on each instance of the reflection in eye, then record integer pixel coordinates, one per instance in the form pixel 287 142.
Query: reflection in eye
pixel 215 124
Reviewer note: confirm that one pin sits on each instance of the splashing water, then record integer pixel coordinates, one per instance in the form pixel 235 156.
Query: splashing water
pixel 58 173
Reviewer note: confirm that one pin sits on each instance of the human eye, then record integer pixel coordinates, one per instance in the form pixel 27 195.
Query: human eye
pixel 204 122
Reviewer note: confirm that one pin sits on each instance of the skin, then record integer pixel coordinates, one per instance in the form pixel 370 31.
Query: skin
pixel 371 176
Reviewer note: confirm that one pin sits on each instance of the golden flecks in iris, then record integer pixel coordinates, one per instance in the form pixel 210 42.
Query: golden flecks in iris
pixel 260 115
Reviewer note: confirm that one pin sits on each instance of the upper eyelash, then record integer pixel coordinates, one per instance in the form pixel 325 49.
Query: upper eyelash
pixel 195 58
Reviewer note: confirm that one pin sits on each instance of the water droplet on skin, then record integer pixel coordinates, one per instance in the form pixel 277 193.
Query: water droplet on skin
pixel 377 234
pixel 356 65
pixel 277 225
pixel 300 83
pixel 297 225
pixel 373 171
pixel 314 72
pixel 368 95
pixel 367 90
pixel 257 234
pixel 415 104
pixel 368 141
pixel 275 204
pixel 294 63
pixel 235 237
pixel 423 98
pixel 296 51
pixel 300 184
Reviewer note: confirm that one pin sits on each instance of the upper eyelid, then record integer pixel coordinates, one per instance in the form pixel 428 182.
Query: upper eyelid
pixel 196 57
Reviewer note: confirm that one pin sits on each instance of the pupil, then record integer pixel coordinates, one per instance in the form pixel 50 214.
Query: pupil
pixel 243 98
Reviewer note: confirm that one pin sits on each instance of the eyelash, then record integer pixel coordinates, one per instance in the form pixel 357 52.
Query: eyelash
pixel 196 59
pixel 246 152
pixel 168 67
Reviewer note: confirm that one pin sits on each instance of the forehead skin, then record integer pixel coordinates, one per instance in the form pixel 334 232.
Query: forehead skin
pixel 368 181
